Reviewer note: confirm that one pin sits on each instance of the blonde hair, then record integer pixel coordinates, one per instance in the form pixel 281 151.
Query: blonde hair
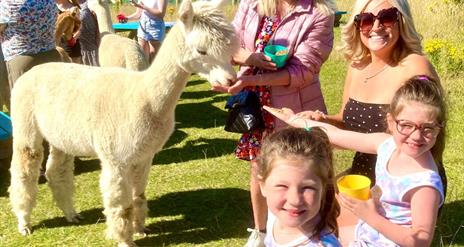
pixel 310 145
pixel 409 41
pixel 269 7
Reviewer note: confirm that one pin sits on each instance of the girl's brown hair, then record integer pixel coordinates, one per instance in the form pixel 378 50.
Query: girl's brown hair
pixel 427 91
pixel 312 145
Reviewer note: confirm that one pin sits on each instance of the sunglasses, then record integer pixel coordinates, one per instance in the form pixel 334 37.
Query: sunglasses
pixel 387 18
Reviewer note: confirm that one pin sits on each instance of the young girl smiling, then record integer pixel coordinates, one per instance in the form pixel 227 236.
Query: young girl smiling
pixel 297 179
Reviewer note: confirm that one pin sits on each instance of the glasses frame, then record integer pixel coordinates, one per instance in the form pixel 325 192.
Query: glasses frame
pixel 358 19
pixel 435 128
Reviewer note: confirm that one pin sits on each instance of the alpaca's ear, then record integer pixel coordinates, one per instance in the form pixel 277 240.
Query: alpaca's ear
pixel 186 14
pixel 219 3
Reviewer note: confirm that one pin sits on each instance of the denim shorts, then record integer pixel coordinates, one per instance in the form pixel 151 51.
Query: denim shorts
pixel 151 29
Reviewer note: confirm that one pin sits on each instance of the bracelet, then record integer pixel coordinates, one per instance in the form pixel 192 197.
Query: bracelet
pixel 323 115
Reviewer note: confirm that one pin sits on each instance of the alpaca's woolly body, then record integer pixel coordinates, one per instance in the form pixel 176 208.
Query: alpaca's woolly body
pixel 123 117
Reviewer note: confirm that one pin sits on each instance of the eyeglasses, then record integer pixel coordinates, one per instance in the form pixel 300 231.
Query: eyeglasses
pixel 387 18
pixel 428 130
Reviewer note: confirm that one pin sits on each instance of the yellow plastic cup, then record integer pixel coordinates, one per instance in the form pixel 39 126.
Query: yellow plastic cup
pixel 356 186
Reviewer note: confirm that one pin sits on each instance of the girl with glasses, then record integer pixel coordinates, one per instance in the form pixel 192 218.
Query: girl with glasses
pixel 408 192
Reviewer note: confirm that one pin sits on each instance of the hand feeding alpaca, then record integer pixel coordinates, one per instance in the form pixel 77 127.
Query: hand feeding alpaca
pixel 123 117
pixel 115 50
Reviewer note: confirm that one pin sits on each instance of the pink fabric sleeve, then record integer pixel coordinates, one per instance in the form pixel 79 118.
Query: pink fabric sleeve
pixel 312 51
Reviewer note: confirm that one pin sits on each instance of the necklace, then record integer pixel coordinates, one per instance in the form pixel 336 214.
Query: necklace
pixel 375 74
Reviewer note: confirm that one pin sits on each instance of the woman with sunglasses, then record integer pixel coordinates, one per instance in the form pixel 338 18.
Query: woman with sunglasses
pixel 384 49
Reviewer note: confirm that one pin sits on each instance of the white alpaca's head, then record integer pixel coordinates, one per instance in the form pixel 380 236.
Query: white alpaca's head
pixel 210 41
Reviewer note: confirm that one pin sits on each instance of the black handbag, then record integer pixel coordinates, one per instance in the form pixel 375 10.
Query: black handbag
pixel 244 113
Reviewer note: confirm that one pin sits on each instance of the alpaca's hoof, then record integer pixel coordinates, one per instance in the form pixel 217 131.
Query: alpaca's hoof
pixel 142 232
pixel 74 218
pixel 26 230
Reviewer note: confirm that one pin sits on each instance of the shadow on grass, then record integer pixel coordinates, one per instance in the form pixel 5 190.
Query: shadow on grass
pixel 200 148
pixel 198 216
pixel 192 217
pixel 91 216
pixel 201 115
pixel 195 82
pixel 450 230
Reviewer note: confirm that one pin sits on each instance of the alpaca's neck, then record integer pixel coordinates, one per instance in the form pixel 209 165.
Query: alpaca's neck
pixel 165 78
pixel 102 10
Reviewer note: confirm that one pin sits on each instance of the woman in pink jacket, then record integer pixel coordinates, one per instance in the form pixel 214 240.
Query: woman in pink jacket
pixel 306 28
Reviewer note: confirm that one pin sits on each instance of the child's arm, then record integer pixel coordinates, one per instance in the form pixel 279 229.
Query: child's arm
pixel 424 209
pixel 135 16
pixel 366 143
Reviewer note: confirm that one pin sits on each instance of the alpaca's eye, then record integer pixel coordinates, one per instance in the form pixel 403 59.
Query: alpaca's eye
pixel 201 52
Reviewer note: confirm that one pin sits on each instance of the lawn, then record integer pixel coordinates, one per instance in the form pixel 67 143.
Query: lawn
pixel 198 192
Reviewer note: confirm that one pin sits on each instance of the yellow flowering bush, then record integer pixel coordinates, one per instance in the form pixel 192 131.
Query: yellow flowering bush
pixel 446 56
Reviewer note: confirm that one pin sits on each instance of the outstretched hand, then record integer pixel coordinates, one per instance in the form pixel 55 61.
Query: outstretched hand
pixel 235 88
pixel 284 114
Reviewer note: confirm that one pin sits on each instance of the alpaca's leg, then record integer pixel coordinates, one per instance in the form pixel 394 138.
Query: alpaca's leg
pixel 139 183
pixel 25 167
pixel 60 176
pixel 117 200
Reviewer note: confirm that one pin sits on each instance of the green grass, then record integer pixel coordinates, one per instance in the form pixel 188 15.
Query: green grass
pixel 198 192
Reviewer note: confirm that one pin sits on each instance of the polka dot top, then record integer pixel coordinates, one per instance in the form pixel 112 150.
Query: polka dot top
pixel 365 118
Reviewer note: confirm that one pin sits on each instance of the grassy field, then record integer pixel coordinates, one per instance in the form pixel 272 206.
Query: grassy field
pixel 198 192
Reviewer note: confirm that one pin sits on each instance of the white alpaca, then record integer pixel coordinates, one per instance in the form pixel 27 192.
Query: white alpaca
pixel 115 50
pixel 123 117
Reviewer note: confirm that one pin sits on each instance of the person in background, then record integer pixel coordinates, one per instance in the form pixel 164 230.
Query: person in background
pixel 151 30
pixel 72 46
pixel 305 27
pixel 27 35
pixel 89 38
pixel 409 191
pixel 296 176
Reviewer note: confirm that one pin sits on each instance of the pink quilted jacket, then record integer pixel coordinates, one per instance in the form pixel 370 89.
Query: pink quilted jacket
pixel 308 34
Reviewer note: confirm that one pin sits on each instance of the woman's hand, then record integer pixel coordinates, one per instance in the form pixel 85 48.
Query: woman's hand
pixel 258 59
pixel 362 209
pixel 238 85
pixel 255 59
pixel 284 114
pixel 313 115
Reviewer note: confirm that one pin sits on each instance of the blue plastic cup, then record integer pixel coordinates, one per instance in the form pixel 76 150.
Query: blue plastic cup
pixel 277 53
